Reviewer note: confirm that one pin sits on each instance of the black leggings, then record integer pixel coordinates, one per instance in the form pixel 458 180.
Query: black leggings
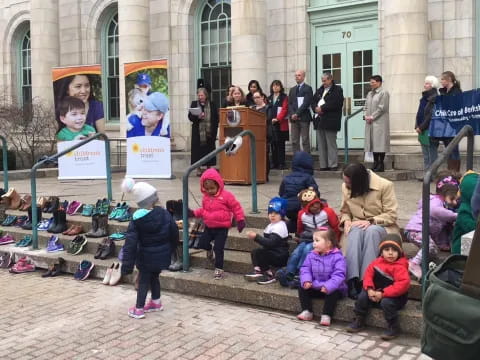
pixel 147 281
pixel 266 258
pixel 329 305
pixel 219 238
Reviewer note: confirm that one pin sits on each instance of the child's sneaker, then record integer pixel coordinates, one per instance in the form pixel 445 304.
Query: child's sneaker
pixel 325 320
pixel 151 306
pixel 305 315
pixel 266 279
pixel 219 274
pixel 136 313
pixel 415 270
pixel 254 276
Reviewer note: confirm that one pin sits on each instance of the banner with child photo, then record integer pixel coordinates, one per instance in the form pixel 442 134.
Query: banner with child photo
pixel 148 119
pixel 79 113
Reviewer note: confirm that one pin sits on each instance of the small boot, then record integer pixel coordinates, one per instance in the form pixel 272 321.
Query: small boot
pixel 94 228
pixel 102 226
pixel 453 165
pixel 54 222
pixel 375 161
pixel 357 325
pixel 13 198
pixel 392 331
pixel 176 261
pixel 3 209
pixel 61 222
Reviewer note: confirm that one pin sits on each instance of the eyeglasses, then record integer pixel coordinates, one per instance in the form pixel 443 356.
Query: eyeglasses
pixel 257 97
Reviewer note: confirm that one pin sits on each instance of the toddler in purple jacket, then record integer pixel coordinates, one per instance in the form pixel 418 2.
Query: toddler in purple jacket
pixel 322 275
pixel 441 222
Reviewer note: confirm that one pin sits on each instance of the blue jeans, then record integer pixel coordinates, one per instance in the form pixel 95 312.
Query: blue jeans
pixel 430 153
pixel 295 261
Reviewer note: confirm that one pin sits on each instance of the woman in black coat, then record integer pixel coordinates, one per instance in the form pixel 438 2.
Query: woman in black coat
pixel 204 129
pixel 450 87
pixel 327 105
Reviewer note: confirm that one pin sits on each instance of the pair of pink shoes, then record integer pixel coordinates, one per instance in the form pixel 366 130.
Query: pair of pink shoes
pixel 149 307
pixel 7 239
pixel 23 265
pixel 73 207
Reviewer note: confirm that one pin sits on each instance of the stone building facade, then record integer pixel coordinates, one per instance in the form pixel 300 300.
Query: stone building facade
pixel 234 41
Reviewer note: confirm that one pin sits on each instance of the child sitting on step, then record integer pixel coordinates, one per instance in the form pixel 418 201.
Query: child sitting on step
pixel 315 215
pixel 385 285
pixel 322 275
pixel 150 237
pixel 219 206
pixel 441 221
pixel 274 244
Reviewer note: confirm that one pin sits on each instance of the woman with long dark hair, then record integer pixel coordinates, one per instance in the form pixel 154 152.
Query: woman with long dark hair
pixel 204 128
pixel 253 87
pixel 278 119
pixel 368 212
pixel 80 86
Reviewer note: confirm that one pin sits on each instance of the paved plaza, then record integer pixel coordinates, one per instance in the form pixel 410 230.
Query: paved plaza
pixel 60 318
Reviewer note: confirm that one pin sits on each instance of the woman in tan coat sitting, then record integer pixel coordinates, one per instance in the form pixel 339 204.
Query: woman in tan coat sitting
pixel 368 212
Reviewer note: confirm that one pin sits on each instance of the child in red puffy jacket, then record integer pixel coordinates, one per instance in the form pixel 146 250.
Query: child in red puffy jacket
pixel 385 284
pixel 219 206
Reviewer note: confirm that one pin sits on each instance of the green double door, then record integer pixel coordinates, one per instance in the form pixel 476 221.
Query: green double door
pixel 349 52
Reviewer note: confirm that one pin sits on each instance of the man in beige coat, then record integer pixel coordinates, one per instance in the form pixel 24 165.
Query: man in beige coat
pixel 368 212
pixel 377 127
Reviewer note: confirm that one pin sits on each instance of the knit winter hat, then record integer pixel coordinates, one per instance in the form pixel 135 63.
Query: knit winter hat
pixel 393 240
pixel 143 193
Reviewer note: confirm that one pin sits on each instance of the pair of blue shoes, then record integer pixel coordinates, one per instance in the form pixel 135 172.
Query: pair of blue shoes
pixel 44 224
pixel 26 241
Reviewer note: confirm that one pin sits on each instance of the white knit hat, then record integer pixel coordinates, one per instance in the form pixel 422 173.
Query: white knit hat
pixel 143 193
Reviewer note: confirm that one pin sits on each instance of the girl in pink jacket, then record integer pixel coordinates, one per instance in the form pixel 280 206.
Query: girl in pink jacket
pixel 219 206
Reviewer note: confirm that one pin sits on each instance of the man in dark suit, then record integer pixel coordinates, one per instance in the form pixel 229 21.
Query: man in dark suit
pixel 299 102
pixel 327 105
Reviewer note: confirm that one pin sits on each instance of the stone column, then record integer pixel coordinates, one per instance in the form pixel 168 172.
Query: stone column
pixel 249 28
pixel 405 45
pixel 133 32
pixel 45 47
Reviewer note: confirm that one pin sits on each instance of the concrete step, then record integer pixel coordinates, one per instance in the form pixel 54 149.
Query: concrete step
pixel 200 282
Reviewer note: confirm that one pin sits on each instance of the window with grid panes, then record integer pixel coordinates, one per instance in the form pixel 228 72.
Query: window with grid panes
pixel 332 63
pixel 362 71
pixel 25 71
pixel 215 47
pixel 110 72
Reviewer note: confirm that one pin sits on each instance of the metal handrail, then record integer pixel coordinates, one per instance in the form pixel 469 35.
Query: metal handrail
pixel 5 162
pixel 467 131
pixel 206 158
pixel 345 131
pixel 33 175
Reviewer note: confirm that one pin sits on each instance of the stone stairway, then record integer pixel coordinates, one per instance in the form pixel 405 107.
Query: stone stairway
pixel 199 281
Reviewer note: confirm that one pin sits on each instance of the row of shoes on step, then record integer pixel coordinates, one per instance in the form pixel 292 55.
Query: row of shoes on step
pixel 53 203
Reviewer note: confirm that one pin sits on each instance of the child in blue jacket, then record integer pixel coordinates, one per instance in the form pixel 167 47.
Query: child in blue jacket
pixel 149 240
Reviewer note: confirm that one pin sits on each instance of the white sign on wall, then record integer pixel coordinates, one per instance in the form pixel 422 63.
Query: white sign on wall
pixel 149 157
pixel 85 162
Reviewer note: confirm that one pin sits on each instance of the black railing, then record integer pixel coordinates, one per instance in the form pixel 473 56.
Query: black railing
pixel 345 131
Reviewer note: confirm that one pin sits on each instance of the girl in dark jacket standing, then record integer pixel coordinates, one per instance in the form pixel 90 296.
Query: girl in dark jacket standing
pixel 204 128
pixel 278 120
pixel 149 240
pixel 450 87
pixel 422 123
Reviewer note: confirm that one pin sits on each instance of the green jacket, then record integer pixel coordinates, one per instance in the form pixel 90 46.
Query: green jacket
pixel 465 220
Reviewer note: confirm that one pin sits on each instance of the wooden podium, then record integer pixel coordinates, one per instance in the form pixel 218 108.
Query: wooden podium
pixel 235 169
